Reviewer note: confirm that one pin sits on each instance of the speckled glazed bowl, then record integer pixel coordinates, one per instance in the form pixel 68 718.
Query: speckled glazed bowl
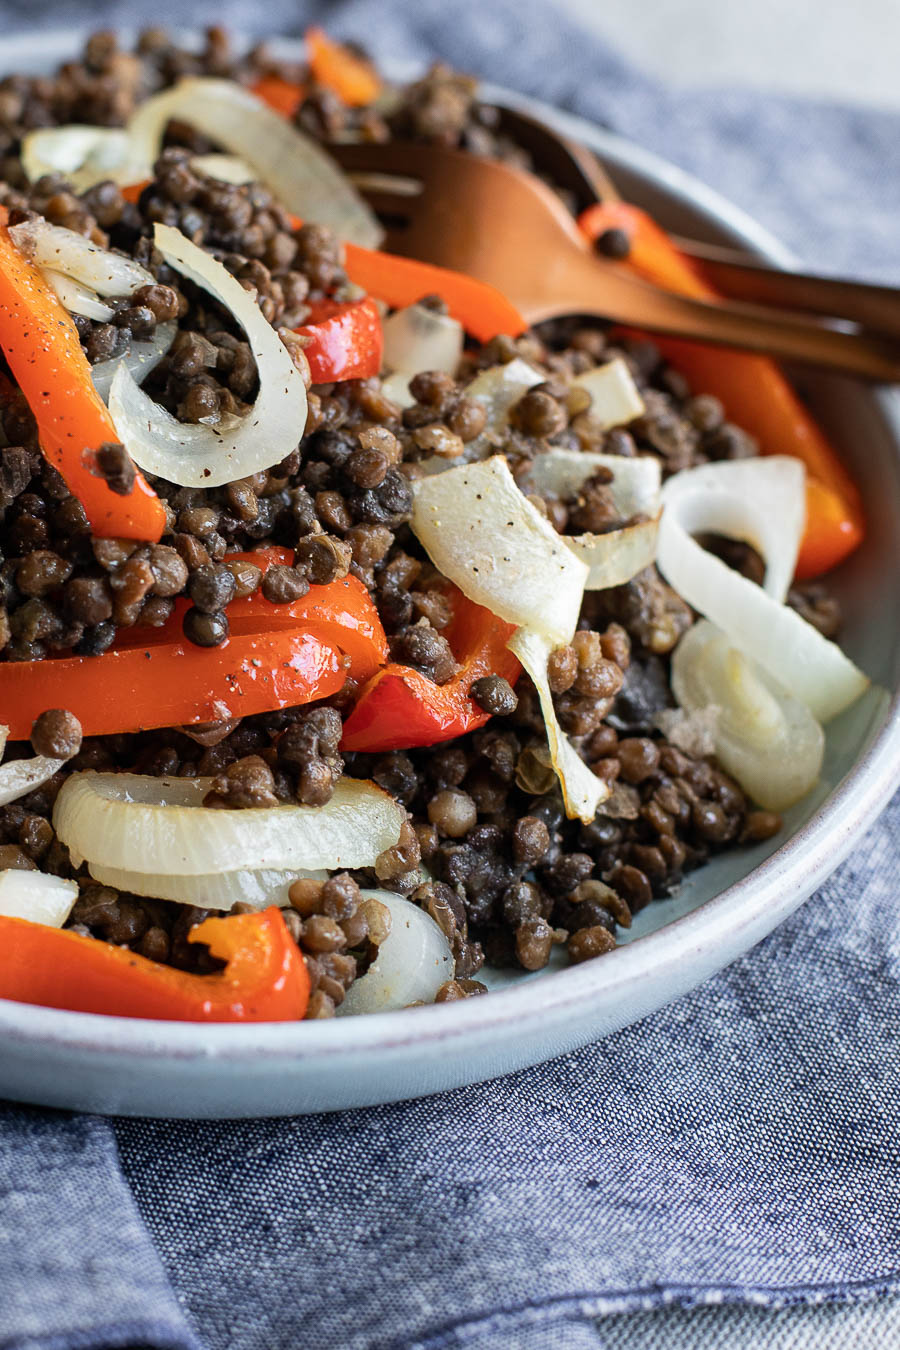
pixel 120 1066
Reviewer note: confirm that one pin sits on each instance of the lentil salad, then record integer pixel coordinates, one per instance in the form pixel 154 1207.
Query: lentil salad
pixel 485 848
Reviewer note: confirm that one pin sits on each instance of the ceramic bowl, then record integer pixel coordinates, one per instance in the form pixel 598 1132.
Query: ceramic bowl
pixel 120 1066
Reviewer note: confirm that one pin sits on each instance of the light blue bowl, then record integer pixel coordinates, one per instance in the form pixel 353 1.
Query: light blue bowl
pixel 119 1066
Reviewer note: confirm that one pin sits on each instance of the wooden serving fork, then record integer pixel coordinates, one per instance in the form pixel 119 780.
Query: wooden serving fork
pixel 504 226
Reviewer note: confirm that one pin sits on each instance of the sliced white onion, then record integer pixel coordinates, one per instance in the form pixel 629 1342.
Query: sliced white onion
pixel 614 558
pixel 300 175
pixel 21 776
pixel 760 501
pixel 582 790
pixel 207 456
pixel 80 258
pixel 214 890
pixel 412 963
pixel 85 155
pixel 804 662
pixel 484 535
pixel 134 822
pixel 499 388
pixel 396 388
pixel 227 168
pixel 418 338
pixel 767 740
pixel 635 486
pixel 139 359
pixel 78 299
pixel 615 398
pixel 36 896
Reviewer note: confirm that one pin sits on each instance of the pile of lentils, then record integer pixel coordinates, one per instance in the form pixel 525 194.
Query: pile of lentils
pixel 487 849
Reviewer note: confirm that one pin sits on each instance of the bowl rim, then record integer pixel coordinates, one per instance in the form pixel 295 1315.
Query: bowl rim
pixel 774 887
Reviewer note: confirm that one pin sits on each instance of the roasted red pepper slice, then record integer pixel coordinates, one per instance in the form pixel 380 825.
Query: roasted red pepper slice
pixel 276 656
pixel 345 341
pixel 400 708
pixel 342 614
pixel 265 978
pixel 41 344
pixel 752 388
pixel 166 684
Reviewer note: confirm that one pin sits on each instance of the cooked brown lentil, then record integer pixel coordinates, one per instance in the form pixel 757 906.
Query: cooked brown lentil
pixel 57 734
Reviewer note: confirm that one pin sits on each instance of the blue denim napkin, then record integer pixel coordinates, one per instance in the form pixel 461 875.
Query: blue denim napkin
pixel 726 1173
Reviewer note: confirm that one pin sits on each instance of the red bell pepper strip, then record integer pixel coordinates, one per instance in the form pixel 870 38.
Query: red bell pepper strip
pixel 41 344
pixel 400 708
pixel 265 978
pixel 345 340
pixel 342 614
pixel 349 76
pixel 282 96
pixel 164 684
pixel 275 657
pixel 752 388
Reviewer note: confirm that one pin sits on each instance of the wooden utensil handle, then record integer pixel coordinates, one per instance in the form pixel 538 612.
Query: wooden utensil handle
pixel 600 290
pixel 740 277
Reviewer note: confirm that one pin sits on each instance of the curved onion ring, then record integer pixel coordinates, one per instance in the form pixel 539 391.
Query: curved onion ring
pixel 135 822
pixel 767 740
pixel 299 174
pixel 759 501
pixel 413 961
pixel 85 155
pixel 259 887
pixel 803 662
pixel 206 456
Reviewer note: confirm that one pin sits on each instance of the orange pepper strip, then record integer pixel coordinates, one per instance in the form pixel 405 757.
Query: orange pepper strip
pixel 400 708
pixel 41 344
pixel 349 76
pixel 753 390
pixel 283 96
pixel 481 309
pixel 265 978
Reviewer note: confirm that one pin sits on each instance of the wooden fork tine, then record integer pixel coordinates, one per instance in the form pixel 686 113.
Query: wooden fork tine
pixel 386 205
pixel 404 159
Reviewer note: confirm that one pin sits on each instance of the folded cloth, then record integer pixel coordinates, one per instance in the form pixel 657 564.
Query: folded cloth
pixel 740 1148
